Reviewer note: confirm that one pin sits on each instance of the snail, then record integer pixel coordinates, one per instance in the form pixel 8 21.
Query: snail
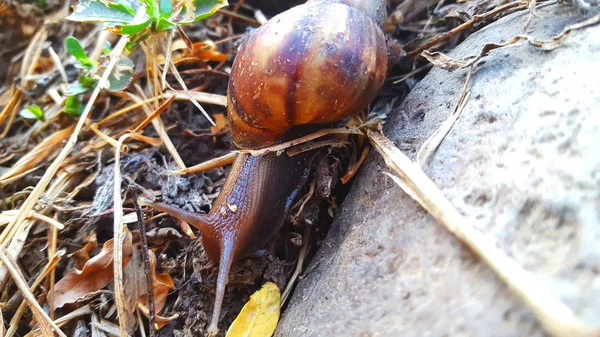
pixel 315 63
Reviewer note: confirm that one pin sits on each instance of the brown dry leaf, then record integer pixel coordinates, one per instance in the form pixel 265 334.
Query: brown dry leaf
pixel 187 229
pixel 16 95
pixel 446 62
pixel 95 275
pixel 134 280
pixel 44 64
pixel 159 321
pixel 206 51
pixel 559 40
pixel 162 283
pixel 220 123
pixel 81 257
pixel 259 317
pixel 161 235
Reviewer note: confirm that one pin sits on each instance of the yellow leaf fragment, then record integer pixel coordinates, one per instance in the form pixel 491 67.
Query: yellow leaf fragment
pixel 220 123
pixel 259 317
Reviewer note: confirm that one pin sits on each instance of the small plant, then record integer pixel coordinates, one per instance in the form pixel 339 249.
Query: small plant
pixel 118 80
pixel 156 15
pixel 32 112
pixel 76 49
pixel 139 19
pixel 72 106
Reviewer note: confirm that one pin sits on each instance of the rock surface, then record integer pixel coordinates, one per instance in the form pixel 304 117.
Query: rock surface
pixel 522 163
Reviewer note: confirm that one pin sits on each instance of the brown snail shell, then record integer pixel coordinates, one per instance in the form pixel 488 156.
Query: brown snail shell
pixel 316 63
pixel 375 9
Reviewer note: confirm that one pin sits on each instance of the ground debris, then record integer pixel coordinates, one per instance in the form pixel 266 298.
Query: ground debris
pixel 37 70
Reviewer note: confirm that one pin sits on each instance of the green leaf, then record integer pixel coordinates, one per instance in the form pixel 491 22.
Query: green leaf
pixel 199 9
pixel 74 89
pixel 87 81
pixel 106 48
pixel 76 49
pixel 84 84
pixel 132 5
pixel 137 38
pixel 121 75
pixel 72 106
pixel 166 9
pixel 164 25
pixel 130 45
pixel 32 112
pixel 103 11
pixel 151 9
pixel 120 15
pixel 130 29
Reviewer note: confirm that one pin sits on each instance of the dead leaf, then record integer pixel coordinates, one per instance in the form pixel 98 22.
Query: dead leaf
pixel 95 275
pixel 162 284
pixel 134 280
pixel 558 40
pixel 206 51
pixel 44 64
pixel 187 229
pixel 220 123
pixel 81 257
pixel 159 321
pixel 444 61
pixel 162 235
pixel 259 317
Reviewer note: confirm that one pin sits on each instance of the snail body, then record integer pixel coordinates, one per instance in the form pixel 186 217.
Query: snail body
pixel 247 213
pixel 316 63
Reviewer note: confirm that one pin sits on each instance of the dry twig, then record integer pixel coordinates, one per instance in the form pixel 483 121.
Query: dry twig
pixel 47 326
pixel 432 143
pixel 53 168
pixel 144 239
pixel 119 236
pixel 517 5
pixel 315 135
pixel 14 322
pixel 299 265
pixel 207 165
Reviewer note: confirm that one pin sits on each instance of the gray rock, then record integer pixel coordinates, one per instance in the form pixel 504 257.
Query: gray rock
pixel 522 162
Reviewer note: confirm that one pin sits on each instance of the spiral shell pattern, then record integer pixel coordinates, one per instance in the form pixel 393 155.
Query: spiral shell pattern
pixel 317 63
